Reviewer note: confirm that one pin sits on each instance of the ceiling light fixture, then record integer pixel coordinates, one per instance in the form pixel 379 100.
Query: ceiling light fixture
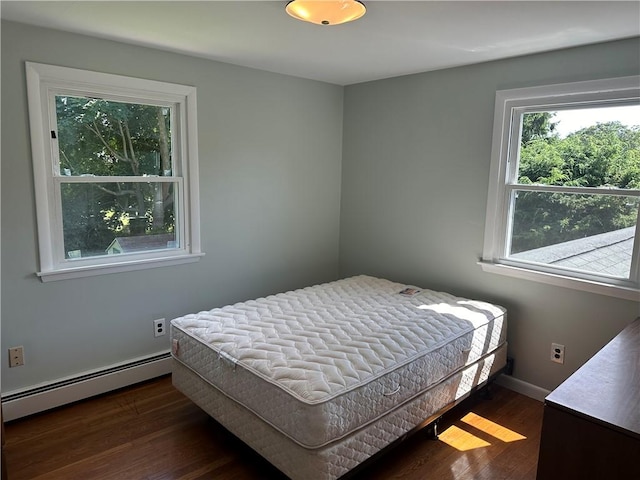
pixel 326 12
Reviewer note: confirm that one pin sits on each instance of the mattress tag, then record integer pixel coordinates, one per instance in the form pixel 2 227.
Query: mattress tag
pixel 409 291
pixel 175 346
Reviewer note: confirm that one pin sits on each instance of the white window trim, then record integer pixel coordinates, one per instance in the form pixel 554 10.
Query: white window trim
pixel 43 78
pixel 507 102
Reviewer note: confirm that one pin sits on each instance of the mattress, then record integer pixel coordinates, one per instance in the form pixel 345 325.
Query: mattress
pixel 321 363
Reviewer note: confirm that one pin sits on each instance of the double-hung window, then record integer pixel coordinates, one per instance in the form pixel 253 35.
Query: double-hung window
pixel 115 171
pixel 564 192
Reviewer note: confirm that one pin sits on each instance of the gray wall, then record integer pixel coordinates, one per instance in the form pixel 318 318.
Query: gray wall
pixel 270 166
pixel 415 177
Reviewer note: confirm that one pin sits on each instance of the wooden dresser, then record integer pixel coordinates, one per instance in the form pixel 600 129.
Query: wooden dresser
pixel 591 425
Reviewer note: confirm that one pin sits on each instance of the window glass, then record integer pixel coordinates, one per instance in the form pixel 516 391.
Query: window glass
pixel 115 218
pixel 108 138
pixel 591 233
pixel 585 147
pixel 595 149
pixel 104 138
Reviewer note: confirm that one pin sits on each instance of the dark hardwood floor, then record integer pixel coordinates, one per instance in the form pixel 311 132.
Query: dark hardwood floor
pixel 152 432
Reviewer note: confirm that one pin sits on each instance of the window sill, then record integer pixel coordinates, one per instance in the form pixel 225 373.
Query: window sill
pixel 626 293
pixel 126 266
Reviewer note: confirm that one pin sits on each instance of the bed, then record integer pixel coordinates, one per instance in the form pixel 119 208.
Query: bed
pixel 320 379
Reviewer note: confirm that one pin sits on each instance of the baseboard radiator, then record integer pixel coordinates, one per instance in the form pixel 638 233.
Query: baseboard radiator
pixel 38 399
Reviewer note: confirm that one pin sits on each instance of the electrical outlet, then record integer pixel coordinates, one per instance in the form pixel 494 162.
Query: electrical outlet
pixel 557 353
pixel 159 328
pixel 16 356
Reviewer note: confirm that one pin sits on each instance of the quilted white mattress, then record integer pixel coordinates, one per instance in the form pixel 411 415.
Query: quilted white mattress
pixel 321 362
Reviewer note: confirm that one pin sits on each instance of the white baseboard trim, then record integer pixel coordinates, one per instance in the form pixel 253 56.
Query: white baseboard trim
pixel 21 403
pixel 520 386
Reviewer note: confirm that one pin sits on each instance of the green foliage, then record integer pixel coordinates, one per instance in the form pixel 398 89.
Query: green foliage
pixel 541 162
pixel 104 138
pixel 107 138
pixel 603 156
pixel 537 126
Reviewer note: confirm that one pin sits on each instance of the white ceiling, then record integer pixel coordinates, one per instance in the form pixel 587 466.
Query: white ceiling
pixel 393 38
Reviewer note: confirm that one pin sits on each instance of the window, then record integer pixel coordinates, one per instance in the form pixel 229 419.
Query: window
pixel 564 191
pixel 115 169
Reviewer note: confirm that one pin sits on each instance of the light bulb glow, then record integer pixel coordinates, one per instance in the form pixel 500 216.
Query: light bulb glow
pixel 326 12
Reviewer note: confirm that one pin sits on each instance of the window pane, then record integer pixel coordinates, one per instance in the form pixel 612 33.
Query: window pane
pixel 107 138
pixel 592 147
pixel 114 218
pixel 593 233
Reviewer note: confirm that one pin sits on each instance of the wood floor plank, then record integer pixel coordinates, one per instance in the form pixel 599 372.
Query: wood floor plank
pixel 153 432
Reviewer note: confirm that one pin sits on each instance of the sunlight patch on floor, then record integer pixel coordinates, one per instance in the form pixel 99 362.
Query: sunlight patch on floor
pixel 492 428
pixel 463 440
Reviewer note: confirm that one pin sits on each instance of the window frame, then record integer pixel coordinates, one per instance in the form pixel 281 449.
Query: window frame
pixel 44 82
pixel 509 106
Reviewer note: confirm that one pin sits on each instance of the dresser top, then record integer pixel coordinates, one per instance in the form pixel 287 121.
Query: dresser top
pixel 606 389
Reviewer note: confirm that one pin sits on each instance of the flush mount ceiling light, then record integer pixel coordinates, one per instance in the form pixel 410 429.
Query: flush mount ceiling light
pixel 326 12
